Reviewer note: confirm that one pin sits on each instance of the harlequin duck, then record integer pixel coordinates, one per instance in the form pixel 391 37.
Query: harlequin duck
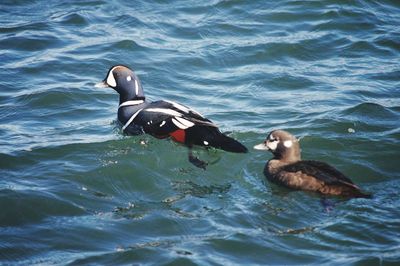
pixel 286 168
pixel 163 119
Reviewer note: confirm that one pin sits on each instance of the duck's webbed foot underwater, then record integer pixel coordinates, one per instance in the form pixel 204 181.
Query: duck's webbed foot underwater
pixel 196 161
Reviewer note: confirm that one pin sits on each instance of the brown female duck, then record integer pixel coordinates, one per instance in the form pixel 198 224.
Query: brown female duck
pixel 286 168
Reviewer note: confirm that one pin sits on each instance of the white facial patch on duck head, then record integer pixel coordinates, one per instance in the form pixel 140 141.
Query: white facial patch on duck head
pixel 272 145
pixel 272 142
pixel 271 137
pixel 128 78
pixel 136 87
pixel 288 143
pixel 110 79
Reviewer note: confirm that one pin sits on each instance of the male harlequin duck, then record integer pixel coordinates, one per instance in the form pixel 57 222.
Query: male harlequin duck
pixel 163 119
pixel 287 169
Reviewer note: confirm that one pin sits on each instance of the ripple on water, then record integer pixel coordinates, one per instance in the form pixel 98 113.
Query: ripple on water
pixel 31 43
pixel 372 112
pixel 72 20
pixel 75 190
pixel 23 207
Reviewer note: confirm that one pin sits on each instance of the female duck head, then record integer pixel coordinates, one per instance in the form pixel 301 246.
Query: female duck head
pixel 283 145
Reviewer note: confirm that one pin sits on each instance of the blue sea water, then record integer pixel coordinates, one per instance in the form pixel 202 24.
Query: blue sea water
pixel 74 190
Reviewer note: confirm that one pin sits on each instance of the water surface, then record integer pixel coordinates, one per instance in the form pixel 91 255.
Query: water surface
pixel 74 190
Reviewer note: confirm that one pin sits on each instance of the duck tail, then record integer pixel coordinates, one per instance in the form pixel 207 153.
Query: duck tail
pixel 223 142
pixel 211 137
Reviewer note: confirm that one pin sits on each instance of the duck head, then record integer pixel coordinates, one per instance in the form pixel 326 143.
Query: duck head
pixel 124 81
pixel 283 145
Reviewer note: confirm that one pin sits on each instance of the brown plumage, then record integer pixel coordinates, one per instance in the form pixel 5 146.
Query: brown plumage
pixel 287 169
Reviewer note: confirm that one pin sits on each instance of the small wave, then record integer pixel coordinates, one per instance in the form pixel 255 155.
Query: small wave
pixel 128 45
pixel 73 20
pixel 24 26
pixel 31 206
pixel 372 111
pixel 31 43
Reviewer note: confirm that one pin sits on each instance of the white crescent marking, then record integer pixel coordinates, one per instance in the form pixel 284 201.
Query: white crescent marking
pixel 162 123
pixel 164 111
pixel 178 124
pixel 183 108
pixel 271 137
pixel 111 80
pixel 184 122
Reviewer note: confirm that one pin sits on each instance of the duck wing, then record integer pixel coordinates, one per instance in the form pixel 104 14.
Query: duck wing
pixel 320 171
pixel 161 111
pixel 169 119
pixel 161 118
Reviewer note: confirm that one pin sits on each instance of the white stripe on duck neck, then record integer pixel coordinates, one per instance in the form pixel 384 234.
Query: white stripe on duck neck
pixel 130 103
pixel 131 119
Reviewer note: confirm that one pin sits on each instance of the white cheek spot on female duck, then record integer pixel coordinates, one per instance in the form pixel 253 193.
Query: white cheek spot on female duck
pixel 287 143
pixel 272 145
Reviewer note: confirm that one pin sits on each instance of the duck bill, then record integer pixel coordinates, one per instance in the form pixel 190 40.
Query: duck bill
pixel 101 84
pixel 261 147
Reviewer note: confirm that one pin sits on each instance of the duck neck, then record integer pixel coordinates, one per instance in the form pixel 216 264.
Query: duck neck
pixel 129 100
pixel 288 156
pixel 126 97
